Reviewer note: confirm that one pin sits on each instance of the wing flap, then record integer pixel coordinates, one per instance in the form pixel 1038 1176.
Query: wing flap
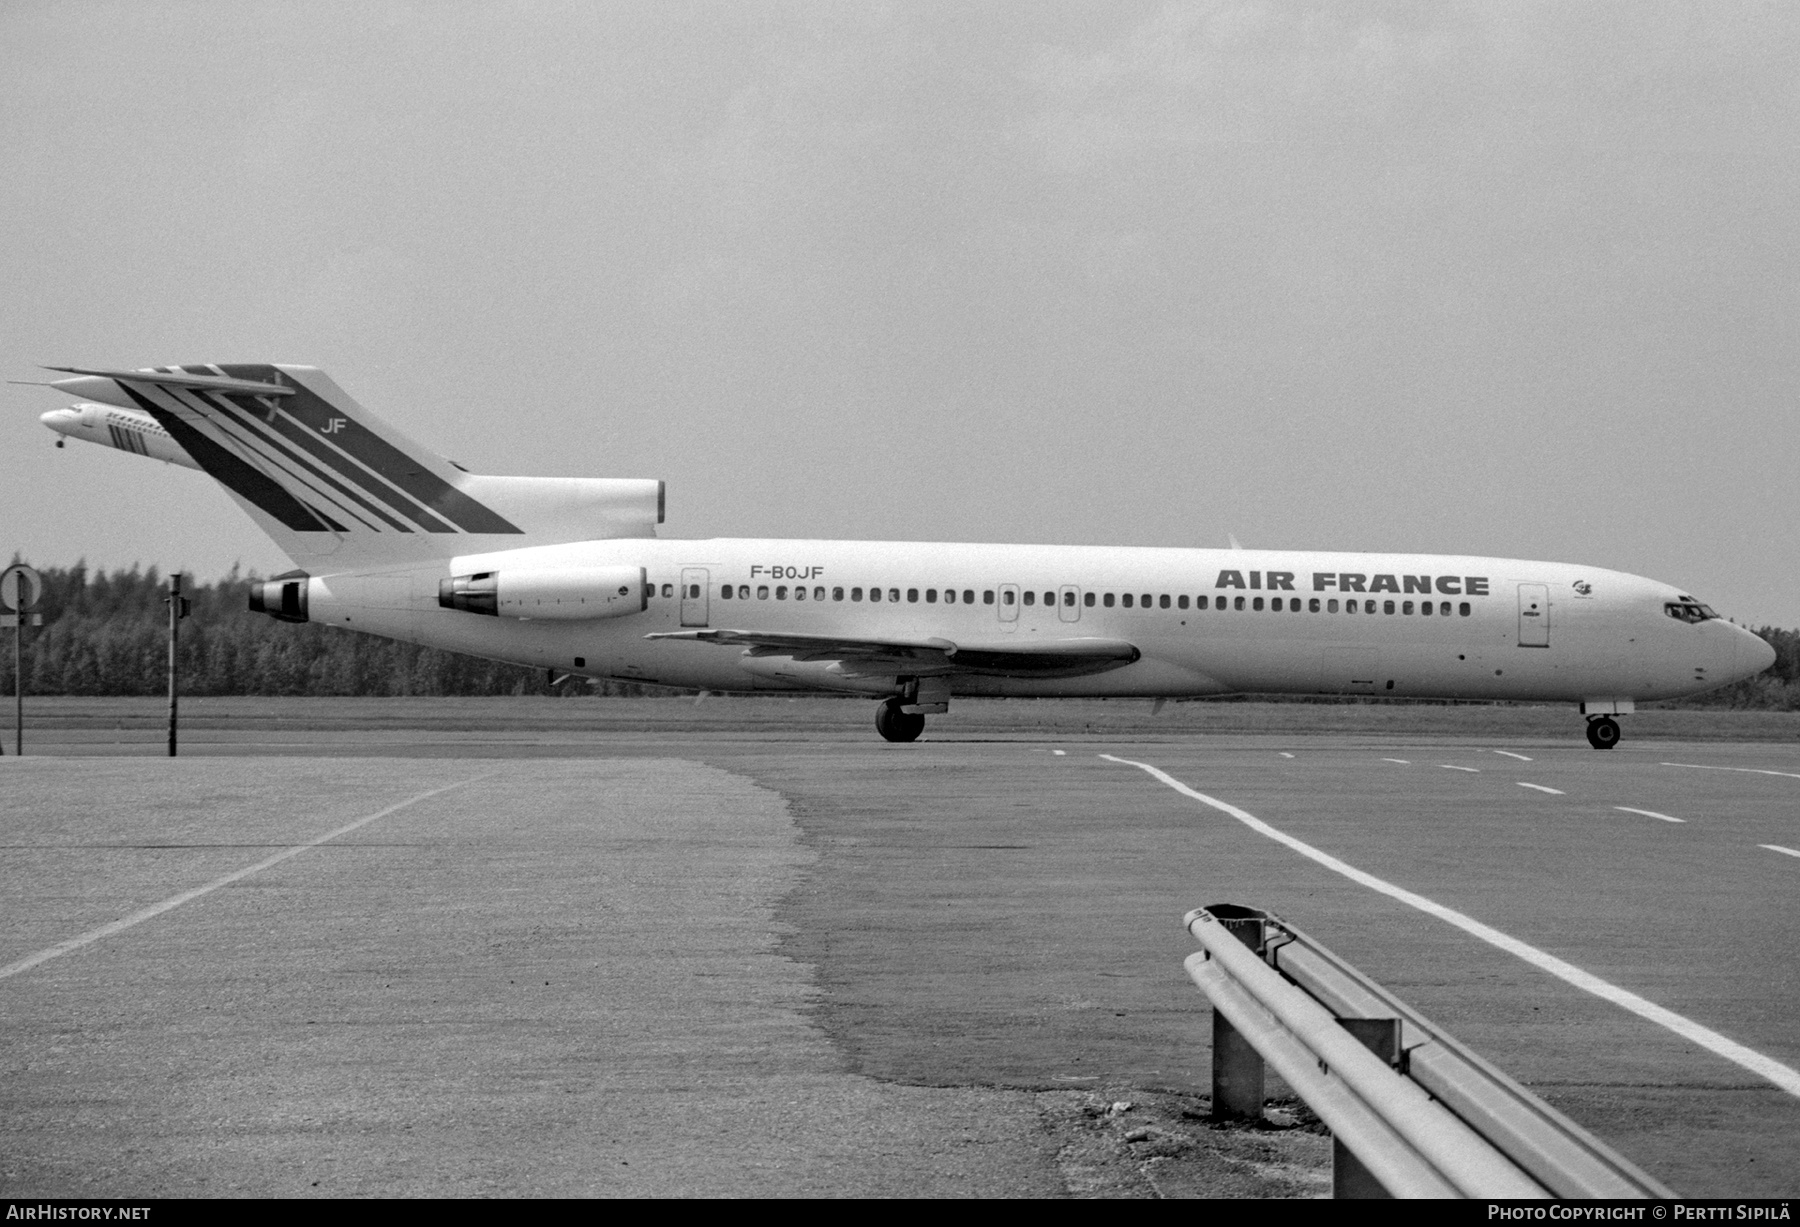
pixel 1052 658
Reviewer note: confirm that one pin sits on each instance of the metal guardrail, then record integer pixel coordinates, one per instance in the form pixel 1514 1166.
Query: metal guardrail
pixel 1412 1112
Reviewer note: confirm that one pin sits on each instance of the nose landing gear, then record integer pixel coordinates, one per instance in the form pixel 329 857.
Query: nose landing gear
pixel 896 725
pixel 1602 732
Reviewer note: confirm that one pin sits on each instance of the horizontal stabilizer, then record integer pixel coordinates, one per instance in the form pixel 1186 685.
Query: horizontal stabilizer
pixel 179 379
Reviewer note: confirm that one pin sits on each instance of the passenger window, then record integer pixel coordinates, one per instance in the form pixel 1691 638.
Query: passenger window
pixel 1127 600
pixel 668 589
pixel 1444 609
pixel 837 594
pixel 1313 605
pixel 762 592
pixel 1006 598
pixel 1369 607
pixel 1256 605
pixel 725 592
pixel 856 594
pixel 874 594
pixel 1163 601
pixel 930 596
pixel 969 597
pixel 1068 598
pixel 1275 605
pixel 1463 609
pixel 949 596
pixel 800 593
pixel 1088 600
pixel 987 597
pixel 1031 598
pixel 781 593
pixel 1145 600
pixel 1107 600
pixel 819 593
pixel 912 595
pixel 1199 602
pixel 1049 598
pixel 893 594
pixel 1181 602
pixel 1331 606
pixel 1406 607
pixel 1239 604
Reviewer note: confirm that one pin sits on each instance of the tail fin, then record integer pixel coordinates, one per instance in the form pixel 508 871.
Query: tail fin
pixel 326 479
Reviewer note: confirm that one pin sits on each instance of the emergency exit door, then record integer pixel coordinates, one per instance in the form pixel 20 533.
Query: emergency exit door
pixel 1534 615
pixel 693 596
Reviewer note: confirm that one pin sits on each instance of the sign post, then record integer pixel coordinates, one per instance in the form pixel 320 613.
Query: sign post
pixel 178 609
pixel 20 588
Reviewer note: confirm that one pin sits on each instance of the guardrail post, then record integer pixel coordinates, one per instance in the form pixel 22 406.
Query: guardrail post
pixel 1238 1075
pixel 1349 1178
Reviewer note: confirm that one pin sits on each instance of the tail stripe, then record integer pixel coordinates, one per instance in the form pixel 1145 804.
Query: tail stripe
pixel 385 460
pixel 238 477
pixel 247 423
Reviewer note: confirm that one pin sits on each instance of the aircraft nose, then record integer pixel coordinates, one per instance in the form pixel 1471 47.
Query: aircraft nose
pixel 1754 653
pixel 58 418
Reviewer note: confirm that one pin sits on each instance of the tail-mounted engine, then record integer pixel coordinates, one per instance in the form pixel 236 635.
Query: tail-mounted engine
pixel 282 598
pixel 563 593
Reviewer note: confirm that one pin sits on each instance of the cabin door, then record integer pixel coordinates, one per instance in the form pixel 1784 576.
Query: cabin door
pixel 1069 608
pixel 1534 615
pixel 693 596
pixel 1009 607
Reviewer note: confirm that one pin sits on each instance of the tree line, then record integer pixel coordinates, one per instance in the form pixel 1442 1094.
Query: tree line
pixel 107 634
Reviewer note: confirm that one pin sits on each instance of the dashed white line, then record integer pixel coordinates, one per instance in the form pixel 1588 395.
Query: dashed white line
pixel 1751 770
pixel 1285 754
pixel 187 896
pixel 1648 813
pixel 1783 1076
pixel 1059 753
pixel 1779 848
pixel 1555 792
pixel 1402 761
pixel 1454 767
pixel 1522 758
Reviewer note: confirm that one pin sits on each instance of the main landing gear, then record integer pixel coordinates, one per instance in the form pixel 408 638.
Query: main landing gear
pixel 1603 732
pixel 896 725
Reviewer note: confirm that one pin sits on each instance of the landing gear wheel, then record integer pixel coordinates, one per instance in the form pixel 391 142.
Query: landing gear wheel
pixel 896 725
pixel 1603 733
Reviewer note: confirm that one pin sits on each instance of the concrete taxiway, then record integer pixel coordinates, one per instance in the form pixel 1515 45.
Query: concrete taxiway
pixel 660 954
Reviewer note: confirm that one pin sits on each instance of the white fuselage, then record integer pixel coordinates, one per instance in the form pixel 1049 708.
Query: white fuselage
pixel 1272 621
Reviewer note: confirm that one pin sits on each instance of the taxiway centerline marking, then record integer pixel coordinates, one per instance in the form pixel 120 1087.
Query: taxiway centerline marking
pixel 1454 767
pixel 1555 792
pixel 1404 762
pixel 1783 1076
pixel 1752 770
pixel 1285 754
pixel 187 896
pixel 1779 848
pixel 1510 754
pixel 1648 813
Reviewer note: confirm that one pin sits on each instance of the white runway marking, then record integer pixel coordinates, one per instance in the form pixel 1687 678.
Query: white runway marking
pixel 1510 754
pixel 1648 813
pixel 1783 1076
pixel 1402 761
pixel 1779 848
pixel 1555 792
pixel 1285 754
pixel 1059 753
pixel 1454 767
pixel 1752 770
pixel 186 896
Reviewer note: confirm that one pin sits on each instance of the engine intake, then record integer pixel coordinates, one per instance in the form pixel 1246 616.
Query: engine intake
pixel 282 598
pixel 567 594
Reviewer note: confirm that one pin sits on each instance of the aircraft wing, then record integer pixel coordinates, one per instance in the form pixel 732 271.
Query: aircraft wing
pixel 1052 658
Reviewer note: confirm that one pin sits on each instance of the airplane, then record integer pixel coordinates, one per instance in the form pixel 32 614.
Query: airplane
pixel 568 575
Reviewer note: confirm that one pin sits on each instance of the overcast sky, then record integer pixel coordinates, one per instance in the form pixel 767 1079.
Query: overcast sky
pixel 1512 279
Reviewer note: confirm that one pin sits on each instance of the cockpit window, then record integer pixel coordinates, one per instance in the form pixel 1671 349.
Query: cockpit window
pixel 1687 609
